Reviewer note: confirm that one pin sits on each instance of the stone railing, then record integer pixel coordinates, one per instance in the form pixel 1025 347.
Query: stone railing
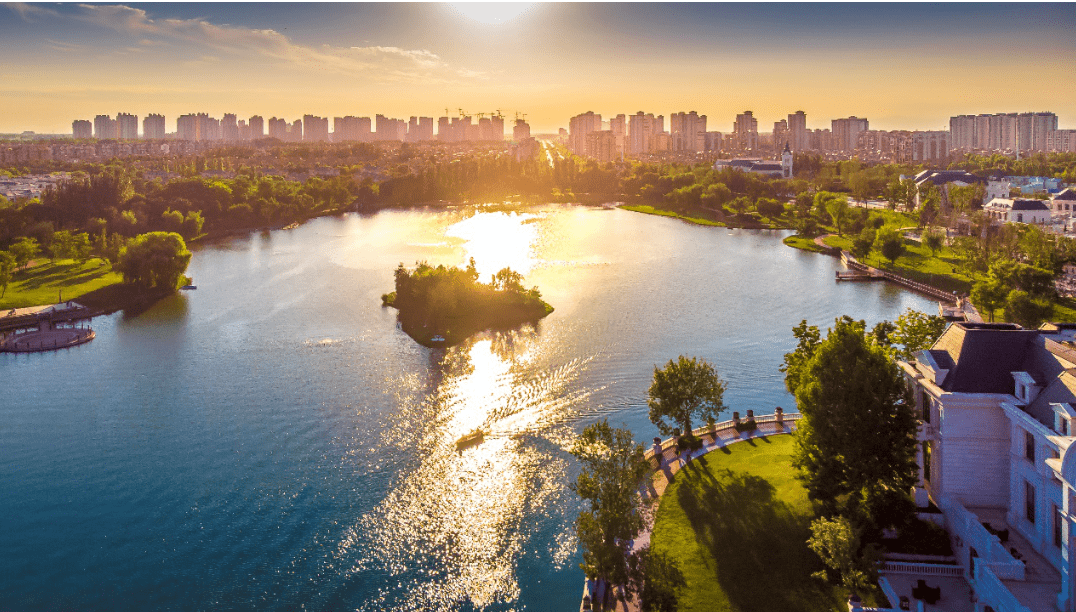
pixel 923 288
pixel 776 422
pixel 992 591
pixel 971 533
pixel 923 569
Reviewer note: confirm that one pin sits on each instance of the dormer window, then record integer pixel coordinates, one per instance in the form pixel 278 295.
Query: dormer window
pixel 1026 388
pixel 1063 416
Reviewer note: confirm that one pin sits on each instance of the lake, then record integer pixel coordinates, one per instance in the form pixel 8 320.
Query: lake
pixel 273 441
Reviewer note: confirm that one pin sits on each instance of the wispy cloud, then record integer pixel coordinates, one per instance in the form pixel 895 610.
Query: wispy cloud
pixel 375 62
pixel 30 12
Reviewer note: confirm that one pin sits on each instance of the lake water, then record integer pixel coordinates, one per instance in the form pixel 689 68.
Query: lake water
pixel 272 441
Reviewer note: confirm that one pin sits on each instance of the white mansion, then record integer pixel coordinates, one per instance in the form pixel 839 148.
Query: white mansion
pixel 996 405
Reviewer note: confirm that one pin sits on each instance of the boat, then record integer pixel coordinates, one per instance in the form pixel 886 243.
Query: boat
pixel 437 338
pixel 471 439
pixel 291 225
pixel 189 287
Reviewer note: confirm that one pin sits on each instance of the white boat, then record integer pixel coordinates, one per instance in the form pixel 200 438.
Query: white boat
pixel 437 338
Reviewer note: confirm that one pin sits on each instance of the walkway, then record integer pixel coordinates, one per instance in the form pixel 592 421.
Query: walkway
pixel 671 463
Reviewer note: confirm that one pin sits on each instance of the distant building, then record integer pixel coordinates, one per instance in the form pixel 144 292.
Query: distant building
pixel 1063 204
pixel 153 127
pixel 229 128
pixel 81 128
pixel 1005 210
pixel 578 128
pixel 104 127
pixel 771 168
pixel 315 129
pixel 846 132
pixel 1003 132
pixel 688 132
pixel 126 126
pixel 943 179
pixel 929 146
pixel 278 128
pixel 642 128
pixel 745 132
pixel 797 132
pixel 521 131
pixel 601 146
pixel 257 127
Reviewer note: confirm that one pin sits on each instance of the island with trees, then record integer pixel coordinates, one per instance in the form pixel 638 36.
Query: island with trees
pixel 441 306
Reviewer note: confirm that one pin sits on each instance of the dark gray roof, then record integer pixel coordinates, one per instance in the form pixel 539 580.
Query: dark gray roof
pixel 941 177
pixel 1029 204
pixel 1062 390
pixel 1066 194
pixel 983 356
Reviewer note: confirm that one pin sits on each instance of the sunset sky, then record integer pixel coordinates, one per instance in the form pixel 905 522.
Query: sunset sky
pixel 902 66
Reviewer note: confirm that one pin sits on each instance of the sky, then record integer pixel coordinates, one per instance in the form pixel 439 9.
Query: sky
pixel 902 66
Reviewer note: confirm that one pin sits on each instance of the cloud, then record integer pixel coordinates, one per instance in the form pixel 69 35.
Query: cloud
pixel 375 62
pixel 28 12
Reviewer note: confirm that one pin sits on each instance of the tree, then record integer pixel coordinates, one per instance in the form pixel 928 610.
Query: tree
pixel 769 207
pixel 856 438
pixel 862 243
pixel 7 267
pixel 613 465
pixel 808 338
pixel 836 541
pixel 916 331
pixel 989 295
pixel 835 205
pixel 890 243
pixel 24 249
pixel 657 579
pixel 684 389
pixel 933 240
pixel 1022 308
pixel 156 259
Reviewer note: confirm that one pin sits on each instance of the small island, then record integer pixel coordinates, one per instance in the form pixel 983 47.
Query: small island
pixel 442 306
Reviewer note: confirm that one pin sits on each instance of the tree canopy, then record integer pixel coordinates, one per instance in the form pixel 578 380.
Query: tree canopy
pixel 683 390
pixel 156 259
pixel 613 466
pixel 857 435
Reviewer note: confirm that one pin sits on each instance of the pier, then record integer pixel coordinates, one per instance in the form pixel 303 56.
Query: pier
pixel 45 328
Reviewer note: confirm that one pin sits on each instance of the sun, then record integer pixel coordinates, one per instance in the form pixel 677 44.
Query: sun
pixel 491 13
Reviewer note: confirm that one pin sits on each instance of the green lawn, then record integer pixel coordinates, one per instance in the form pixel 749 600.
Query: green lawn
pixel 43 283
pixel 803 243
pixel 737 522
pixel 650 210
pixel 918 264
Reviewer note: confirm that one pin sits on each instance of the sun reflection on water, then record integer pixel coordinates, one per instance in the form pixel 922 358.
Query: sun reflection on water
pixel 498 240
pixel 453 530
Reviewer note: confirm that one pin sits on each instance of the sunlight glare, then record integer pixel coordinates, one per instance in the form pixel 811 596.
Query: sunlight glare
pixel 498 240
pixel 491 13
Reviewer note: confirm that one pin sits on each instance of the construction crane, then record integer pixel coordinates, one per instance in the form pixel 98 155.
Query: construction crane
pixel 521 115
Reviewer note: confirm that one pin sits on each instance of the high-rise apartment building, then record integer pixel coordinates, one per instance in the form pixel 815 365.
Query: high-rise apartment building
pixel 390 129
pixel 798 138
pixel 278 128
pixel 244 130
pixel 846 132
pixel 521 131
pixel 153 127
pixel 295 131
pixel 687 132
pixel 619 127
pixel 229 128
pixel 497 128
pixel 257 127
pixel 350 129
pixel 1002 131
pixel 81 128
pixel 104 127
pixel 578 128
pixel 929 145
pixel 642 129
pixel 780 134
pixel 126 126
pixel 601 146
pixel 315 129
pixel 745 132
pixel 197 127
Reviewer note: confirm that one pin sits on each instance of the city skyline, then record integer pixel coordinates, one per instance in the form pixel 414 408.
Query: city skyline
pixel 548 61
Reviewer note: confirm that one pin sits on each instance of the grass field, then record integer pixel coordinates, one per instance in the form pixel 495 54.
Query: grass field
pixel 737 522
pixel 46 282
pixel 650 210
